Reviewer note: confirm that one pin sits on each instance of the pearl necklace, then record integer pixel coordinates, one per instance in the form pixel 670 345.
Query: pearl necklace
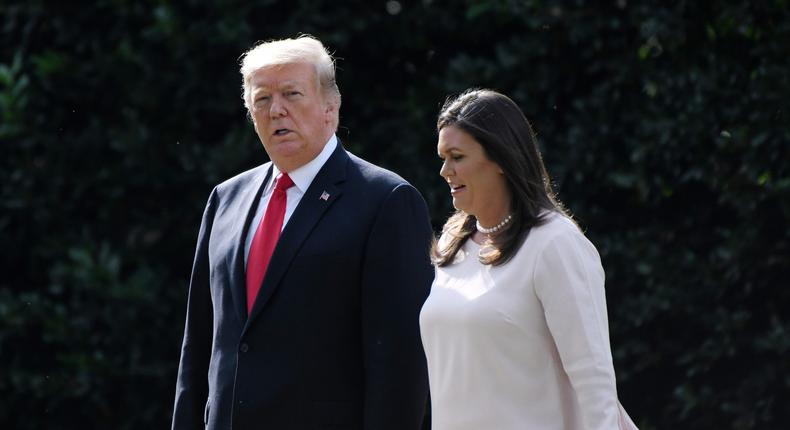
pixel 495 228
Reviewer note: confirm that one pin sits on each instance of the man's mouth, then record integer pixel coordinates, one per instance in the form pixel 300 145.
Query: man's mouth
pixel 281 132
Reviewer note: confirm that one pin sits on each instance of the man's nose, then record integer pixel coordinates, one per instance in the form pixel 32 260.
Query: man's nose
pixel 277 108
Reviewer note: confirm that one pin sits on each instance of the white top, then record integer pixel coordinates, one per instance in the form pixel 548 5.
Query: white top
pixel 302 177
pixel 524 345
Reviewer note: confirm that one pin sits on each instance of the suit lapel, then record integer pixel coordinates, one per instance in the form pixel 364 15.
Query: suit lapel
pixel 250 200
pixel 323 191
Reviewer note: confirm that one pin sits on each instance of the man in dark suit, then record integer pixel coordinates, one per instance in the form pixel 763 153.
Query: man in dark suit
pixel 309 273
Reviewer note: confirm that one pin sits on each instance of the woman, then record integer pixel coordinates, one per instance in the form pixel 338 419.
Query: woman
pixel 515 328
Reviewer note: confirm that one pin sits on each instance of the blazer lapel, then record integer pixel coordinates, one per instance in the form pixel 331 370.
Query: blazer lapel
pixel 250 199
pixel 323 191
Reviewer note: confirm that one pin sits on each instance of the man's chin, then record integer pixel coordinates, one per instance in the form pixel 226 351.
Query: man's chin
pixel 290 155
pixel 284 148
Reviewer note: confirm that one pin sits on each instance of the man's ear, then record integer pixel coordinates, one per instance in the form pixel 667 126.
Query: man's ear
pixel 329 110
pixel 332 103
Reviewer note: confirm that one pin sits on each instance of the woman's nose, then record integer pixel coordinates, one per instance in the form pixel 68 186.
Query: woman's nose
pixel 444 171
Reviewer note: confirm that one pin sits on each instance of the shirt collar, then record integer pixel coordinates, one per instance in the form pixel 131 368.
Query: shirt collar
pixel 303 176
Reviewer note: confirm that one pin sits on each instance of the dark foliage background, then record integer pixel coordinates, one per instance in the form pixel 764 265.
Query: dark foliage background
pixel 664 124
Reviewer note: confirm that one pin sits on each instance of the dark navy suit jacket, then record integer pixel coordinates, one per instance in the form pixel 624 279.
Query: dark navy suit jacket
pixel 332 341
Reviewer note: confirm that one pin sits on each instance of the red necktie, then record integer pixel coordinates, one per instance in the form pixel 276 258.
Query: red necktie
pixel 266 237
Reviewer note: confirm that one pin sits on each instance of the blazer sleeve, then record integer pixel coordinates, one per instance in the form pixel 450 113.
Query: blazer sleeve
pixel 396 279
pixel 192 382
pixel 569 282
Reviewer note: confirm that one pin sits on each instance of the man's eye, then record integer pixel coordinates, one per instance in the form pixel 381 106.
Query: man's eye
pixel 457 157
pixel 292 93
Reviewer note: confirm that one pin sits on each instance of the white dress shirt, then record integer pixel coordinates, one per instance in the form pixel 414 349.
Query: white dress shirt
pixel 302 177
pixel 524 345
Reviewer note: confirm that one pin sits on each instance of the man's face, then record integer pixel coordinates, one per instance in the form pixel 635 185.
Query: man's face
pixel 292 117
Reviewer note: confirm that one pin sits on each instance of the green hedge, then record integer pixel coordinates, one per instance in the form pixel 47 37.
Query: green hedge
pixel 665 127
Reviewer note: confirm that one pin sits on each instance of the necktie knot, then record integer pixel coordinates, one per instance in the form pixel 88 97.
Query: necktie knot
pixel 283 182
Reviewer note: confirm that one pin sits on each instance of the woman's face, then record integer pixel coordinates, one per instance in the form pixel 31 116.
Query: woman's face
pixel 477 184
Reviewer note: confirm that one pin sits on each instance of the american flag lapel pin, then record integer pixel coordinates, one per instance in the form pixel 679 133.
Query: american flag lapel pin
pixel 324 196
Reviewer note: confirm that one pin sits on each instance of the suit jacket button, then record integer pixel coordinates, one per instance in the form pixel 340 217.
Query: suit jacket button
pixel 244 347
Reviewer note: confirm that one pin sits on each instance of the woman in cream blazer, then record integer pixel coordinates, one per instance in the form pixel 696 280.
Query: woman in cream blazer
pixel 515 328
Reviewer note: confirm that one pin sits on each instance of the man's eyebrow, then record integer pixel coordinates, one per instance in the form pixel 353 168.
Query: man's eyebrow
pixel 291 84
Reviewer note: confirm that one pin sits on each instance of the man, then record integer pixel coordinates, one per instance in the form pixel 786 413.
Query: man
pixel 309 272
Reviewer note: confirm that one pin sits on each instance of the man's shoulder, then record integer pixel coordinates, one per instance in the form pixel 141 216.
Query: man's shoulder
pixel 243 179
pixel 372 174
